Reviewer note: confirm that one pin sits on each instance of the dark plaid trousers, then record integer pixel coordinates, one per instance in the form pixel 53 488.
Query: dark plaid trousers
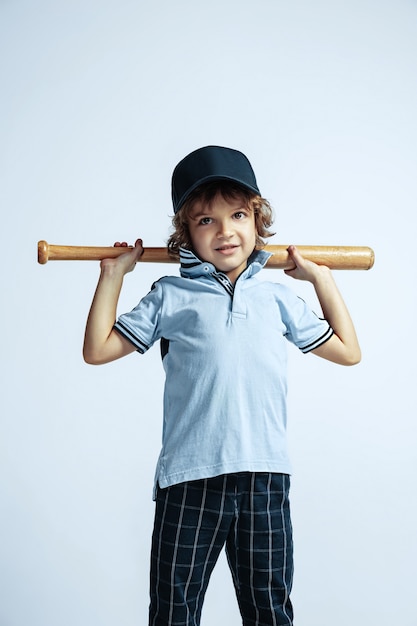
pixel 249 514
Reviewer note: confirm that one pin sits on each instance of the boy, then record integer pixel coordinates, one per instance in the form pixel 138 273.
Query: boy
pixel 222 478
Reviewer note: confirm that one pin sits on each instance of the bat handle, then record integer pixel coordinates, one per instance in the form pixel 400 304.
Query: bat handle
pixel 50 252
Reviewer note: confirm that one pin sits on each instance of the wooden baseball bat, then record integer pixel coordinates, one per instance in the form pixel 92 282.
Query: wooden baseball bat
pixel 335 257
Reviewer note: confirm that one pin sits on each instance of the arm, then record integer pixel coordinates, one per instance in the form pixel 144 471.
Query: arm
pixel 343 346
pixel 102 343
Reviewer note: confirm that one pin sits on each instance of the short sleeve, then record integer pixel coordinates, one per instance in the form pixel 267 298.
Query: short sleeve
pixel 141 325
pixel 303 326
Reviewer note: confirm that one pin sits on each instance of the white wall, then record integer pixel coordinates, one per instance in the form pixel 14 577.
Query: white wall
pixel 99 100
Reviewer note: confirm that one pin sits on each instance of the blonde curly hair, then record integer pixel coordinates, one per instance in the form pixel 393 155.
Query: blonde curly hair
pixel 206 193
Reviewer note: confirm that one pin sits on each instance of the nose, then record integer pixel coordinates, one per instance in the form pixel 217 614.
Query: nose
pixel 225 230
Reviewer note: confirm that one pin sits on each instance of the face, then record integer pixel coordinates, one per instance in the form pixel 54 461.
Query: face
pixel 223 234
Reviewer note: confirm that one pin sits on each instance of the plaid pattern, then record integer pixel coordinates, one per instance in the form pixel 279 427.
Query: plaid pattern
pixel 248 513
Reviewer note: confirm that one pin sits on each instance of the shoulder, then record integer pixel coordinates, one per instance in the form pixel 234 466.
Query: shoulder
pixel 278 290
pixel 171 289
pixel 291 305
pixel 166 282
pixel 173 283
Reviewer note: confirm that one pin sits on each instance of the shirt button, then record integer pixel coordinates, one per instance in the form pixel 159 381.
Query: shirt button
pixel 206 268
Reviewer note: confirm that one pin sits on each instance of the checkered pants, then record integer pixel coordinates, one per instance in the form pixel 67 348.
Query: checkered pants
pixel 248 513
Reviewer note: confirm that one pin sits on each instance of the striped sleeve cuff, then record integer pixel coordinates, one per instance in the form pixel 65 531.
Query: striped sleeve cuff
pixel 127 334
pixel 318 342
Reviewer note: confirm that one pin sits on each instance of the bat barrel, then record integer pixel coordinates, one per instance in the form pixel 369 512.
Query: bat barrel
pixel 334 257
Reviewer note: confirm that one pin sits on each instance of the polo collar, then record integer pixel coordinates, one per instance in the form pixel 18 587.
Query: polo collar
pixel 193 267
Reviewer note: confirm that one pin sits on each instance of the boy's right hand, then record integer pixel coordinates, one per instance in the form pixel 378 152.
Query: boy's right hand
pixel 125 262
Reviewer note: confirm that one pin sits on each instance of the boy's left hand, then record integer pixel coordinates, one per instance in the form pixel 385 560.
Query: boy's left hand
pixel 303 268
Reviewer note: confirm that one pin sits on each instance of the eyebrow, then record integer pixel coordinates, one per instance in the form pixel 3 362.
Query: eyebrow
pixel 208 211
pixel 195 216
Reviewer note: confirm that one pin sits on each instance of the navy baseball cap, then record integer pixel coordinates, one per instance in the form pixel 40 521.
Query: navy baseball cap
pixel 209 164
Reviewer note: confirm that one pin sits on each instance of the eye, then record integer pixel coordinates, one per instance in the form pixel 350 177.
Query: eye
pixel 239 215
pixel 205 220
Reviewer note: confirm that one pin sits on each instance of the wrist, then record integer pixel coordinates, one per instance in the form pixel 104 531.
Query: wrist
pixel 322 275
pixel 111 271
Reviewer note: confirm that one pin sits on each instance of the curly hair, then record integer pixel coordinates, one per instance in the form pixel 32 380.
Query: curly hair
pixel 206 193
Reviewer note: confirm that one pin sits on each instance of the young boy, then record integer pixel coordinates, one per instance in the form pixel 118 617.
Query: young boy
pixel 222 478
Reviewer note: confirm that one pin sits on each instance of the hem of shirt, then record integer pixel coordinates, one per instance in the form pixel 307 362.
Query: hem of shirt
pixel 219 470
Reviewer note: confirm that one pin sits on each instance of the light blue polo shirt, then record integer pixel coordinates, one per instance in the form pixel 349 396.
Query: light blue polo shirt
pixel 224 353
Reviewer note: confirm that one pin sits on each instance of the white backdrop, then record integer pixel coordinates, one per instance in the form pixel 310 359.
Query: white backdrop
pixel 99 100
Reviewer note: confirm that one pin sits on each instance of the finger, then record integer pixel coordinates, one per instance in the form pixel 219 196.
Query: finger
pixel 292 252
pixel 138 249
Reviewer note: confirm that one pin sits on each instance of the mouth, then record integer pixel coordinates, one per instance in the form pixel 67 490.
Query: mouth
pixel 227 248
